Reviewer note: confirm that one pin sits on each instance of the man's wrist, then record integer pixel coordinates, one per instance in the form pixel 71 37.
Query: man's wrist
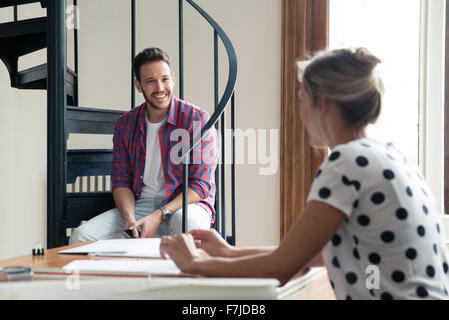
pixel 158 214
pixel 166 213
pixel 129 217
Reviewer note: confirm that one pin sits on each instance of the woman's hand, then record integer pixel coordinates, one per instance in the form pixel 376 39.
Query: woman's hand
pixel 211 242
pixel 181 249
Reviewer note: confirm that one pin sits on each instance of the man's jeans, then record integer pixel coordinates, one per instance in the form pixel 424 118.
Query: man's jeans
pixel 110 224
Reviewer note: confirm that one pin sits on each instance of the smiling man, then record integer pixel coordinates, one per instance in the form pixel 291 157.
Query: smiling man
pixel 146 182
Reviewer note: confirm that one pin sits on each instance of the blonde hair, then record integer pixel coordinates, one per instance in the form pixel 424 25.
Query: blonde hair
pixel 349 78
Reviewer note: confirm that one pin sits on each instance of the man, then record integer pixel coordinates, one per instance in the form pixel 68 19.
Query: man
pixel 146 173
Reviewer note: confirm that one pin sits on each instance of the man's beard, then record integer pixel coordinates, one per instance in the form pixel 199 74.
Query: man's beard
pixel 152 104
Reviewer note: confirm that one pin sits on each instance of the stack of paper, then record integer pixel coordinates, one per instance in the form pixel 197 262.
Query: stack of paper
pixel 122 266
pixel 139 248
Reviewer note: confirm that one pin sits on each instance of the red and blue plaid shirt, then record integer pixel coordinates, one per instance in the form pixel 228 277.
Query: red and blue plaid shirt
pixel 128 163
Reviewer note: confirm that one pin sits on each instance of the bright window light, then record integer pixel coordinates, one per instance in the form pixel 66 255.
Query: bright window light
pixel 390 29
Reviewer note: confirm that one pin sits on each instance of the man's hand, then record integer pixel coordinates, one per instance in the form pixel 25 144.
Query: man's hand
pixel 211 242
pixel 124 199
pixel 150 224
pixel 130 224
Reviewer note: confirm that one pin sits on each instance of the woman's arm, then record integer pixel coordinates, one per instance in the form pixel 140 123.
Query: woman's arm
pixel 317 261
pixel 312 230
pixel 248 251
pixel 214 245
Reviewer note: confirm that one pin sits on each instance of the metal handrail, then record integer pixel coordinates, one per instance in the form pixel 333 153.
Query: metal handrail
pixel 219 110
pixel 232 77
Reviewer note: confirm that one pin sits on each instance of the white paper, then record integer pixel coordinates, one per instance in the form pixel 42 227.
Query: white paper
pixel 165 267
pixel 140 248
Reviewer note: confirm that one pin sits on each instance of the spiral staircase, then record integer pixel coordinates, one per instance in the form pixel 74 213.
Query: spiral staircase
pixel 65 209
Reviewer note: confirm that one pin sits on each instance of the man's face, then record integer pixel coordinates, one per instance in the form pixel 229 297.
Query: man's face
pixel 156 84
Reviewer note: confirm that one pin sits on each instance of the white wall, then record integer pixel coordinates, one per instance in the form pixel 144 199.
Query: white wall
pixel 23 156
pixel 254 27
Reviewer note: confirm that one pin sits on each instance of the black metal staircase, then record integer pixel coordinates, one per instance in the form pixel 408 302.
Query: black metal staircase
pixel 83 206
pixel 9 3
pixel 19 38
pixel 67 209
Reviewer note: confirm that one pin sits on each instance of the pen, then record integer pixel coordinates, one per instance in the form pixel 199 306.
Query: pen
pixel 106 253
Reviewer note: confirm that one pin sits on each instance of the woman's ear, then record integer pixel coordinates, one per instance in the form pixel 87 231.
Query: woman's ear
pixel 326 104
pixel 323 105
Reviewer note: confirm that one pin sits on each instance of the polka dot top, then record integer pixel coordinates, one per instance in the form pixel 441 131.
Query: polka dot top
pixel 391 244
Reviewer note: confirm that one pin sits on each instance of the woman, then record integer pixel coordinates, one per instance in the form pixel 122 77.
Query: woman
pixel 369 212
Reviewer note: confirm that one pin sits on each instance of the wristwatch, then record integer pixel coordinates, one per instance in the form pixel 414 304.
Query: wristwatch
pixel 166 215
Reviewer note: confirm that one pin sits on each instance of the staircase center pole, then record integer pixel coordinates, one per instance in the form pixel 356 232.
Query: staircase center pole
pixel 75 49
pixel 185 167
pixel 56 123
pixel 185 194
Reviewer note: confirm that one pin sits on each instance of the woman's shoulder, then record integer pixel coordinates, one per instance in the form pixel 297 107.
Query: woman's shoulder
pixel 363 145
pixel 363 154
pixel 353 151
pixel 361 150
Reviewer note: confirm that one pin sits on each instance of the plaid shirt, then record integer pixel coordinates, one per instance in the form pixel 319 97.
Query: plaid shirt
pixel 128 163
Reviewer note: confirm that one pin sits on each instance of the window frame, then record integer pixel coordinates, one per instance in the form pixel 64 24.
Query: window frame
pixel 305 29
pixel 434 99
pixel 446 117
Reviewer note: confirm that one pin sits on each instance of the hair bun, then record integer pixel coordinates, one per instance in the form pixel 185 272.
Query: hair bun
pixel 363 55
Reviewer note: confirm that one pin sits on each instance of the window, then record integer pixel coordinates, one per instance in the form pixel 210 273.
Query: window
pixel 373 24
pixel 409 36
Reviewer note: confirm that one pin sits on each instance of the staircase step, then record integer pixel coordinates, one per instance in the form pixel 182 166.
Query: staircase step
pixel 91 120
pixel 88 162
pixel 36 78
pixel 20 38
pixel 84 206
pixel 20 28
pixel 9 3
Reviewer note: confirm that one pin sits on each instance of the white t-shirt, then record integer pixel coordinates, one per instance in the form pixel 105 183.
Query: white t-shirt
pixel 153 177
pixel 392 230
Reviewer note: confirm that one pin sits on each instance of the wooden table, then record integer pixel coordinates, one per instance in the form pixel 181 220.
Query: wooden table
pixel 51 259
pixel 313 286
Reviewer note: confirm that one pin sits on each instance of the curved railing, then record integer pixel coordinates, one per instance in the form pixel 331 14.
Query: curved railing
pixel 220 107
pixel 232 76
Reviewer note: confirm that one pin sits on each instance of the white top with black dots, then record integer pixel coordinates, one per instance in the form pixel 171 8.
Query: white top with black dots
pixel 391 245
